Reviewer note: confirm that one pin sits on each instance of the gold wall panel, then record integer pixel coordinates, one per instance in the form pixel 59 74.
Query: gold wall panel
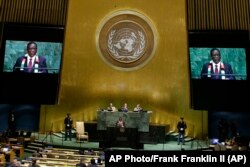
pixel 51 12
pixel 218 14
pixel 88 83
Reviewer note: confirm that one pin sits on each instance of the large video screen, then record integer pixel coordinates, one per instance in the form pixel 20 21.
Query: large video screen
pixel 30 63
pixel 47 58
pixel 231 66
pixel 219 69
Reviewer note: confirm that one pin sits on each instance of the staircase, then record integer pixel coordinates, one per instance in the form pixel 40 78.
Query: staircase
pixel 173 136
pixel 34 146
pixel 61 134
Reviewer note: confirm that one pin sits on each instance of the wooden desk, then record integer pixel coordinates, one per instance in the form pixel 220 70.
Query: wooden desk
pixel 62 149
pixel 51 162
pixel 18 149
pixel 70 154
pixel 213 145
pixel 58 162
pixel 12 140
pixel 15 140
pixel 2 158
pixel 66 151
pixel 9 155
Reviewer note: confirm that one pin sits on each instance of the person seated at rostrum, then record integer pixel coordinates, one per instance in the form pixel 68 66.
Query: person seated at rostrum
pixel 111 107
pixel 124 108
pixel 138 108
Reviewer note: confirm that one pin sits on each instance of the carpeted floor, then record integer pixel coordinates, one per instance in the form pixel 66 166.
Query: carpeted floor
pixel 55 140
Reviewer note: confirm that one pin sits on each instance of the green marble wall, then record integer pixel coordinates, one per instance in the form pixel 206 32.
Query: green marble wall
pixel 132 120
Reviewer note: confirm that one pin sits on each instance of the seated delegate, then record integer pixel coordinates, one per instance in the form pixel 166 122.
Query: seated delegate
pixel 111 107
pixel 124 108
pixel 138 108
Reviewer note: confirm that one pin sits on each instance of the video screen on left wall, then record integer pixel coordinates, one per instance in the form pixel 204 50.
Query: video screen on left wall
pixel 15 56
pixel 30 63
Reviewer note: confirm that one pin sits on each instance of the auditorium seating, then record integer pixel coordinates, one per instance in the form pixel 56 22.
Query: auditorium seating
pixel 62 157
pixel 235 148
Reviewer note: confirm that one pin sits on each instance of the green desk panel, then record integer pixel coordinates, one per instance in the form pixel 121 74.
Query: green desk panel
pixel 132 120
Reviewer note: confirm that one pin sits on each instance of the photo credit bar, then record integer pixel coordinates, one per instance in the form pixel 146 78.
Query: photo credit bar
pixel 176 158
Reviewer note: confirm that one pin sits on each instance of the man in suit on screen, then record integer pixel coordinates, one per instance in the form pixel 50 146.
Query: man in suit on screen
pixel 31 62
pixel 216 69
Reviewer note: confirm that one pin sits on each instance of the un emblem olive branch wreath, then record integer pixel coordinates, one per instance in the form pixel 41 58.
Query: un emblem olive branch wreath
pixel 142 45
pixel 110 44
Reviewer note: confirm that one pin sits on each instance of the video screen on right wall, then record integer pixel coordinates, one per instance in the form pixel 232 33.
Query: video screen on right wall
pixel 219 69
pixel 201 62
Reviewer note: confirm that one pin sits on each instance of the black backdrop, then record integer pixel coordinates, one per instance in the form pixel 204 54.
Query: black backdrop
pixel 239 118
pixel 27 117
pixel 228 95
pixel 21 88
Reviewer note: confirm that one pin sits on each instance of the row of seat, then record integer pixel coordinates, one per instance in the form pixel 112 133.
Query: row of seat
pixel 62 157
pixel 65 153
pixel 73 151
pixel 221 147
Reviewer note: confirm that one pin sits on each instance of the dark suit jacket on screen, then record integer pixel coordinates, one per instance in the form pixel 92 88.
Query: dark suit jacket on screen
pixel 227 69
pixel 42 66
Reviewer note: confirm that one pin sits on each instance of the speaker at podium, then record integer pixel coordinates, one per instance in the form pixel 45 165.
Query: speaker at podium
pixel 121 137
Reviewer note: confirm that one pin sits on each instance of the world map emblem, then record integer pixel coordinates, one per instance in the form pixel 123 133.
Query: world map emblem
pixel 126 40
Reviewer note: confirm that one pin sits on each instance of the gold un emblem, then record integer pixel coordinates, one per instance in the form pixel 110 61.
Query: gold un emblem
pixel 126 40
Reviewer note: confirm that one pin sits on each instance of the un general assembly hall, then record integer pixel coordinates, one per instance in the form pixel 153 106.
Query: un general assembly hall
pixel 79 79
